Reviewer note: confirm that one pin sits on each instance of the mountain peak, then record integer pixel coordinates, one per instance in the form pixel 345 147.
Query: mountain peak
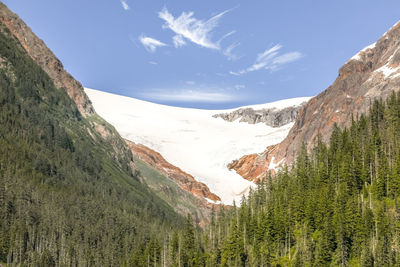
pixel 45 58
pixel 371 74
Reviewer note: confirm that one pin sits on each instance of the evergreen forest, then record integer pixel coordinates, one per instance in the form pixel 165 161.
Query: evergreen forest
pixel 66 201
pixel 338 205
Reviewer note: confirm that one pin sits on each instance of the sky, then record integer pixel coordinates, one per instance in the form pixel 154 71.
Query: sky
pixel 207 54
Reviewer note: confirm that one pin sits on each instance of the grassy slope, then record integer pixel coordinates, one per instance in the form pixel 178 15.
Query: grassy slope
pixel 182 201
pixel 63 198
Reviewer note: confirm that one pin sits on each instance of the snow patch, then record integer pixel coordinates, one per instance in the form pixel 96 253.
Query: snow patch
pixel 396 75
pixel 212 201
pixel 281 104
pixel 192 139
pixel 358 55
pixel 273 166
pixel 388 71
pixel 391 29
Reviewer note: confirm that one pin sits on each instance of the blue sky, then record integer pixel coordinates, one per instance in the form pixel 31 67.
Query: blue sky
pixel 207 54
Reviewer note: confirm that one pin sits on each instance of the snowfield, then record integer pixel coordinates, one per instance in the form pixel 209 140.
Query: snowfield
pixel 192 139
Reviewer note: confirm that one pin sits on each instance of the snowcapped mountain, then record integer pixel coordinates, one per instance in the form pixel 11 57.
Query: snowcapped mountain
pixel 272 114
pixel 373 73
pixel 192 139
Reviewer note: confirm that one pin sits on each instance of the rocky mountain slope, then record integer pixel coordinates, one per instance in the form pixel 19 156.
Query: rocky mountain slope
pixel 98 128
pixel 182 201
pixel 371 74
pixel 273 117
pixel 183 179
pixel 64 199
pixel 45 58
pixel 192 139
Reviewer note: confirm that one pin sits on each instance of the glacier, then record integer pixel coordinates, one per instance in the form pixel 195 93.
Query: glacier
pixel 192 139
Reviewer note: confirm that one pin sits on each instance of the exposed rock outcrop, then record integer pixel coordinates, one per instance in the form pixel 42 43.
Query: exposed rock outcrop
pixel 45 58
pixel 270 116
pixel 371 74
pixel 100 130
pixel 183 179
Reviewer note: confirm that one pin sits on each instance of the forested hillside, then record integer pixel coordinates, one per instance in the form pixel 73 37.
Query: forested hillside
pixel 338 206
pixel 64 201
pixel 69 197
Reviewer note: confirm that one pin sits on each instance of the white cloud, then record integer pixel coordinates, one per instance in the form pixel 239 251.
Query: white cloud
pixel 264 59
pixel 153 63
pixel 178 41
pixel 195 30
pixel 150 44
pixel 124 5
pixel 191 96
pixel 287 58
pixel 228 51
pixel 270 60
pixel 225 36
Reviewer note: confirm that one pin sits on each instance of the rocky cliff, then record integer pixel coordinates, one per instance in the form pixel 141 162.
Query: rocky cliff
pixel 270 116
pixel 45 58
pixel 183 179
pixel 371 74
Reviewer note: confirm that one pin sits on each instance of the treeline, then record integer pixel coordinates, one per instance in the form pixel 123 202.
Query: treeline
pixel 339 205
pixel 64 200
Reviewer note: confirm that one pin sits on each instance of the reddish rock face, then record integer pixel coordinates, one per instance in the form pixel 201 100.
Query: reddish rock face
pixel 43 56
pixel 183 179
pixel 372 74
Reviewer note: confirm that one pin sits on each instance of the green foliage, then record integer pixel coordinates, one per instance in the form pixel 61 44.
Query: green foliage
pixel 182 201
pixel 336 206
pixel 64 200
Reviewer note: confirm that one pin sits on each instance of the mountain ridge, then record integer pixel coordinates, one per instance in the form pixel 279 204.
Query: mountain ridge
pixel 64 198
pixel 183 179
pixel 371 74
pixel 46 59
pixel 274 117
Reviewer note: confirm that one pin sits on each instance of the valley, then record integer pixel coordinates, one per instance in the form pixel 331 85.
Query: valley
pixel 93 178
pixel 192 139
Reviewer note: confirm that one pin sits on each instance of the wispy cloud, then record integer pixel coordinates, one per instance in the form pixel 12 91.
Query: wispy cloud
pixel 228 52
pixel 125 5
pixel 271 59
pixel 186 26
pixel 225 36
pixel 191 96
pixel 150 44
pixel 153 63
pixel 178 41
